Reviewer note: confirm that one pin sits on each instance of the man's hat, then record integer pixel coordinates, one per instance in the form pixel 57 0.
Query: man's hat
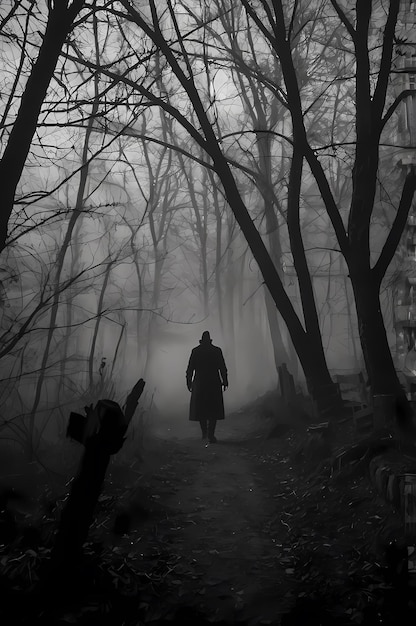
pixel 206 337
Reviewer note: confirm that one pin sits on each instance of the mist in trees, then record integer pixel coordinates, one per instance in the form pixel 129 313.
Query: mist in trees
pixel 171 167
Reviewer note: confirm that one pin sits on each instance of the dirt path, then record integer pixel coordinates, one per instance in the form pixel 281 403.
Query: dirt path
pixel 235 533
pixel 242 532
pixel 215 533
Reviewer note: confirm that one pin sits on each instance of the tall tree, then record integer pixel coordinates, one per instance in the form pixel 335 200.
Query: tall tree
pixel 368 26
pixel 264 115
pixel 60 21
pixel 307 341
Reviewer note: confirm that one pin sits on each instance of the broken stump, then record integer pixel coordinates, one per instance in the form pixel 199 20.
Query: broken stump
pixel 102 432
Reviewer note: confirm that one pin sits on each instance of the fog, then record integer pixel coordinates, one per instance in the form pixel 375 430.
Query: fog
pixel 109 329
pixel 169 168
pixel 135 290
pixel 124 246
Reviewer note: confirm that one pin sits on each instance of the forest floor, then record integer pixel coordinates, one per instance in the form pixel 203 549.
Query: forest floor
pixel 238 532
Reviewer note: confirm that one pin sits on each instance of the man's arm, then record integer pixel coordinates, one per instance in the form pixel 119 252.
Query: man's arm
pixel 190 371
pixel 223 370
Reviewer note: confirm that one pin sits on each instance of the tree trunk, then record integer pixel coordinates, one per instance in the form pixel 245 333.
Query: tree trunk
pixel 61 388
pixel 201 231
pixel 139 307
pixel 265 187
pixel 97 324
pixel 15 154
pixel 351 327
pixel 218 252
pixel 308 344
pixel 203 237
pixel 76 213
pixel 160 257
pixel 229 310
pixel 377 355
pixel 279 351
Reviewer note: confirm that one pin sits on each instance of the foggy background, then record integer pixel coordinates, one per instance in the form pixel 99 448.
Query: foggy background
pixel 122 248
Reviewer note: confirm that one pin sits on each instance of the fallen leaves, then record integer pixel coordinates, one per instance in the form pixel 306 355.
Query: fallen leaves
pixel 318 536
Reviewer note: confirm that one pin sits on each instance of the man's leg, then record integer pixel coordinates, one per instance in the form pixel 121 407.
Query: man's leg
pixel 204 428
pixel 212 422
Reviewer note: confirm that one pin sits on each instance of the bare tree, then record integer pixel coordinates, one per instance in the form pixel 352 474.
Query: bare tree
pixel 367 28
pixel 61 17
pixel 307 341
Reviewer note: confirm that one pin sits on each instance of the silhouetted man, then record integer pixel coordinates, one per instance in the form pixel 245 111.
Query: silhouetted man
pixel 206 378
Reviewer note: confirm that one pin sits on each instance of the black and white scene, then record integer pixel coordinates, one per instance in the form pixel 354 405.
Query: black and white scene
pixel 207 312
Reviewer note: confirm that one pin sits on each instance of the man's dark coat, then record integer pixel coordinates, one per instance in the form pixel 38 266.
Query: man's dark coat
pixel 207 373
